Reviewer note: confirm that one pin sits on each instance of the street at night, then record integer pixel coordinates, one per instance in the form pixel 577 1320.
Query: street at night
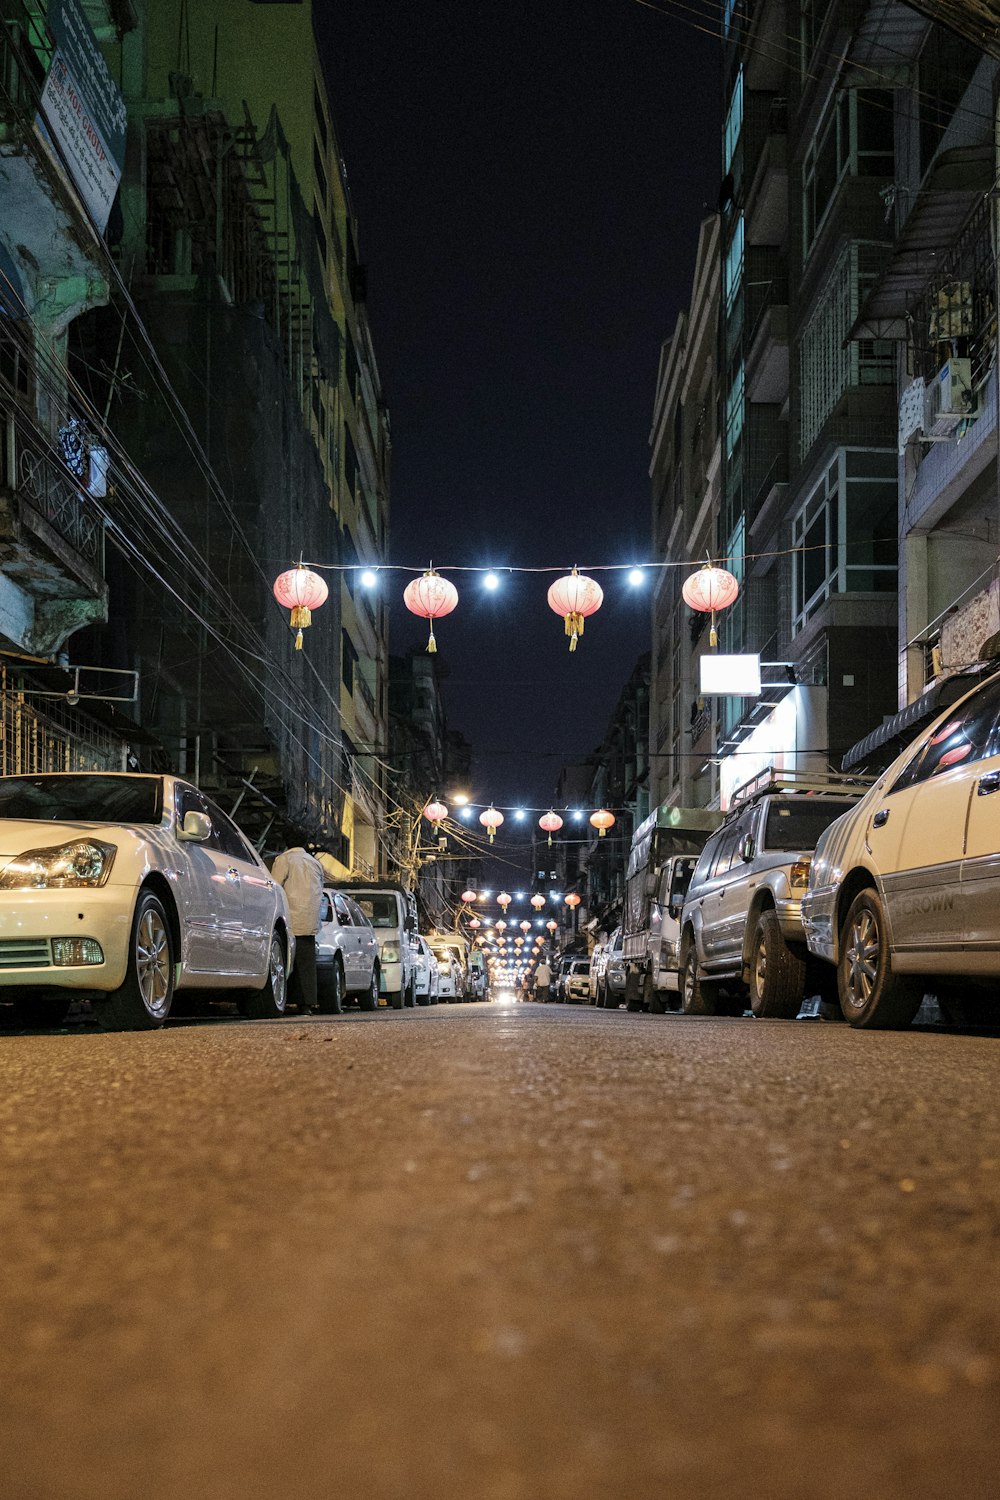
pixel 503 1252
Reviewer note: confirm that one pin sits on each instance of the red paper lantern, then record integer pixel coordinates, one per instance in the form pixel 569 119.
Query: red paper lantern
pixel 301 591
pixel 503 900
pixel 575 596
pixel 435 812
pixel 430 597
pixel 525 926
pixel 551 924
pixel 475 923
pixel 602 820
pixel 550 822
pixel 573 900
pixel 491 820
pixel 710 589
pixel 501 926
pixel 538 902
pixel 469 895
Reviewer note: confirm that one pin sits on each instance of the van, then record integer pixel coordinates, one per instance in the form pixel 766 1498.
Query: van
pixel 477 971
pixel 392 911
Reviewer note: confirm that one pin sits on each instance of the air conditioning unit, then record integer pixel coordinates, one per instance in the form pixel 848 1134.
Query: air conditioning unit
pixel 949 399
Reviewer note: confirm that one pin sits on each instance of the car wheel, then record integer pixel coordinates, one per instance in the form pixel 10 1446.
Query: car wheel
pixel 39 1009
pixel 368 999
pixel 871 995
pixel 655 1000
pixel 777 975
pixel 424 999
pixel 699 997
pixel 330 989
pixel 410 995
pixel 142 1001
pixel 396 999
pixel 268 1004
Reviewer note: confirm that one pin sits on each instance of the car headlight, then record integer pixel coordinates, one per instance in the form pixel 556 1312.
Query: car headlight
pixel 84 863
pixel 390 953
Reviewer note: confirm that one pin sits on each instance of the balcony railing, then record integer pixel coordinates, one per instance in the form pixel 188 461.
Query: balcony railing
pixel 30 469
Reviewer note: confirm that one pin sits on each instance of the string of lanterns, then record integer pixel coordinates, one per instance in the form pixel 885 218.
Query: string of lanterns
pixel 574 597
pixel 492 818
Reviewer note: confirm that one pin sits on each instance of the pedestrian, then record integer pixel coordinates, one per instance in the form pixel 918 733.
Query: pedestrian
pixel 543 978
pixel 301 877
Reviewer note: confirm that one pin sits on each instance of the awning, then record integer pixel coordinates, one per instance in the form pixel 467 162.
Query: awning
pixel 955 186
pixel 878 749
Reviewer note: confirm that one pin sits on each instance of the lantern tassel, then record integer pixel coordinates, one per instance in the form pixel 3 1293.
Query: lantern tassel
pixel 550 841
pixel 713 635
pixel 432 644
pixel 298 640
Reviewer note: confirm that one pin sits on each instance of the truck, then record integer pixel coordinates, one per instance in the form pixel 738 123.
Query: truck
pixel 664 851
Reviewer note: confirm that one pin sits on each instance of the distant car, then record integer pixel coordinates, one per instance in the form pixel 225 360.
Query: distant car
pixel 559 972
pixel 576 981
pixel 904 888
pixel 595 965
pixel 451 982
pixel 425 976
pixel 347 962
pixel 132 887
pixel 478 975
pixel 611 972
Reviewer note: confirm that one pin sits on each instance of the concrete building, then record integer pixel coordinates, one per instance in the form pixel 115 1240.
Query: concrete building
pixel 685 474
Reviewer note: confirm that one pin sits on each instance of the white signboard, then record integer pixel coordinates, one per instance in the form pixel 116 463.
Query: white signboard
pixel 730 676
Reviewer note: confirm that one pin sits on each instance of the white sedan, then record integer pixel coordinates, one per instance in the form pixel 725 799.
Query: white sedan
pixel 347 955
pixel 132 887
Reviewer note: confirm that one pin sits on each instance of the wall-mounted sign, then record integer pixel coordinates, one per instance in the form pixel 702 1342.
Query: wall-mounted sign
pixel 730 676
pixel 83 111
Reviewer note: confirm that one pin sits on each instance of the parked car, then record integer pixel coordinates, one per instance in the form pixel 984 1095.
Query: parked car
pixel 559 970
pixel 132 887
pixel 425 977
pixel 451 981
pixel 611 972
pixel 576 981
pixel 347 962
pixel 392 911
pixel 595 966
pixel 742 920
pixel 904 889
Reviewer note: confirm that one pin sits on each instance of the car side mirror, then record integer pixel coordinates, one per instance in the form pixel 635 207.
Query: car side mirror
pixel 747 848
pixel 196 828
pixel 411 924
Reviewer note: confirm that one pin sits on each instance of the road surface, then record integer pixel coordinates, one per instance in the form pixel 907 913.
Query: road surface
pixel 500 1253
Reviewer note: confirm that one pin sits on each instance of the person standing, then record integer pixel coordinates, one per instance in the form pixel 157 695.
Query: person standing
pixel 543 978
pixel 301 877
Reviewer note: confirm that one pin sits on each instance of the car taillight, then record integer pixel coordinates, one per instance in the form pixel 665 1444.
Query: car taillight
pixel 800 872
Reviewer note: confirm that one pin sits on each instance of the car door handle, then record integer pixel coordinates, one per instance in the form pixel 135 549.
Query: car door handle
pixel 881 818
pixel 988 783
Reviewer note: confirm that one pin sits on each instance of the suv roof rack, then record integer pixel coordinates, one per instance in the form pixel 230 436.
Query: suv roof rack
pixel 772 780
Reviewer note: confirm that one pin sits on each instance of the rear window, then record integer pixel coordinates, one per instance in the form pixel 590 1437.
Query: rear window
pixel 796 824
pixel 582 966
pixel 381 911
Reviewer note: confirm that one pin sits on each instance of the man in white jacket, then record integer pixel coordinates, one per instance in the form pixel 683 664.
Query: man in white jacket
pixel 302 878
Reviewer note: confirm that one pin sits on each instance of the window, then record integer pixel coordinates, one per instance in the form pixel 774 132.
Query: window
pixel 231 841
pixel 348 661
pixel 734 124
pixel 845 533
pixel 320 114
pixel 830 363
pixel 735 409
pixel 343 911
pixel 855 138
pixel 189 799
pixel 319 171
pixel 320 234
pixel 967 735
pixel 732 277
pixel 798 824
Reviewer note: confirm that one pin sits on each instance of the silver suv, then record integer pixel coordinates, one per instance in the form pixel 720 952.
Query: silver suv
pixel 742 919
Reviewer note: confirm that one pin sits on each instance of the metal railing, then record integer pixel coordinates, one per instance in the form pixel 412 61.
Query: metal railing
pixel 31 470
pixel 33 742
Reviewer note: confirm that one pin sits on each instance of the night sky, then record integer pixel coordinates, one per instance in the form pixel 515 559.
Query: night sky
pixel 529 177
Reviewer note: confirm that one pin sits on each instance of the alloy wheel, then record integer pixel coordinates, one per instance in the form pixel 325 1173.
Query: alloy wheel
pixel 863 948
pixel 279 979
pixel 152 962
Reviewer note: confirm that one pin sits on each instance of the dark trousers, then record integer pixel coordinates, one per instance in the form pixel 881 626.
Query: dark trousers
pixel 541 994
pixel 302 984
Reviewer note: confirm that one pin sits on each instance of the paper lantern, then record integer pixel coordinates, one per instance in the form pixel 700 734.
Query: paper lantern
pixel 525 926
pixel 503 900
pixel 501 926
pixel 491 820
pixel 435 812
pixel 602 820
pixel 475 923
pixel 469 895
pixel 538 902
pixel 575 596
pixel 551 924
pixel 301 591
pixel 708 590
pixel 573 900
pixel 430 597
pixel 550 823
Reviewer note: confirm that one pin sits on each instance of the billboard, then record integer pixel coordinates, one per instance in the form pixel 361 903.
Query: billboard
pixel 82 110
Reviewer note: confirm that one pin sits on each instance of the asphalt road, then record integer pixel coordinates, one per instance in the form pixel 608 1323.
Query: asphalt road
pixel 500 1253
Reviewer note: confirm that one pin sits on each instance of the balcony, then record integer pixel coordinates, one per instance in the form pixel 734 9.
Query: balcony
pixel 767 200
pixel 51 541
pixel 767 358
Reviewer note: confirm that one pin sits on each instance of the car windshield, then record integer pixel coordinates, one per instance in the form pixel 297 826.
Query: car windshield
pixel 797 824
pixel 581 967
pixel 380 910
pixel 82 799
